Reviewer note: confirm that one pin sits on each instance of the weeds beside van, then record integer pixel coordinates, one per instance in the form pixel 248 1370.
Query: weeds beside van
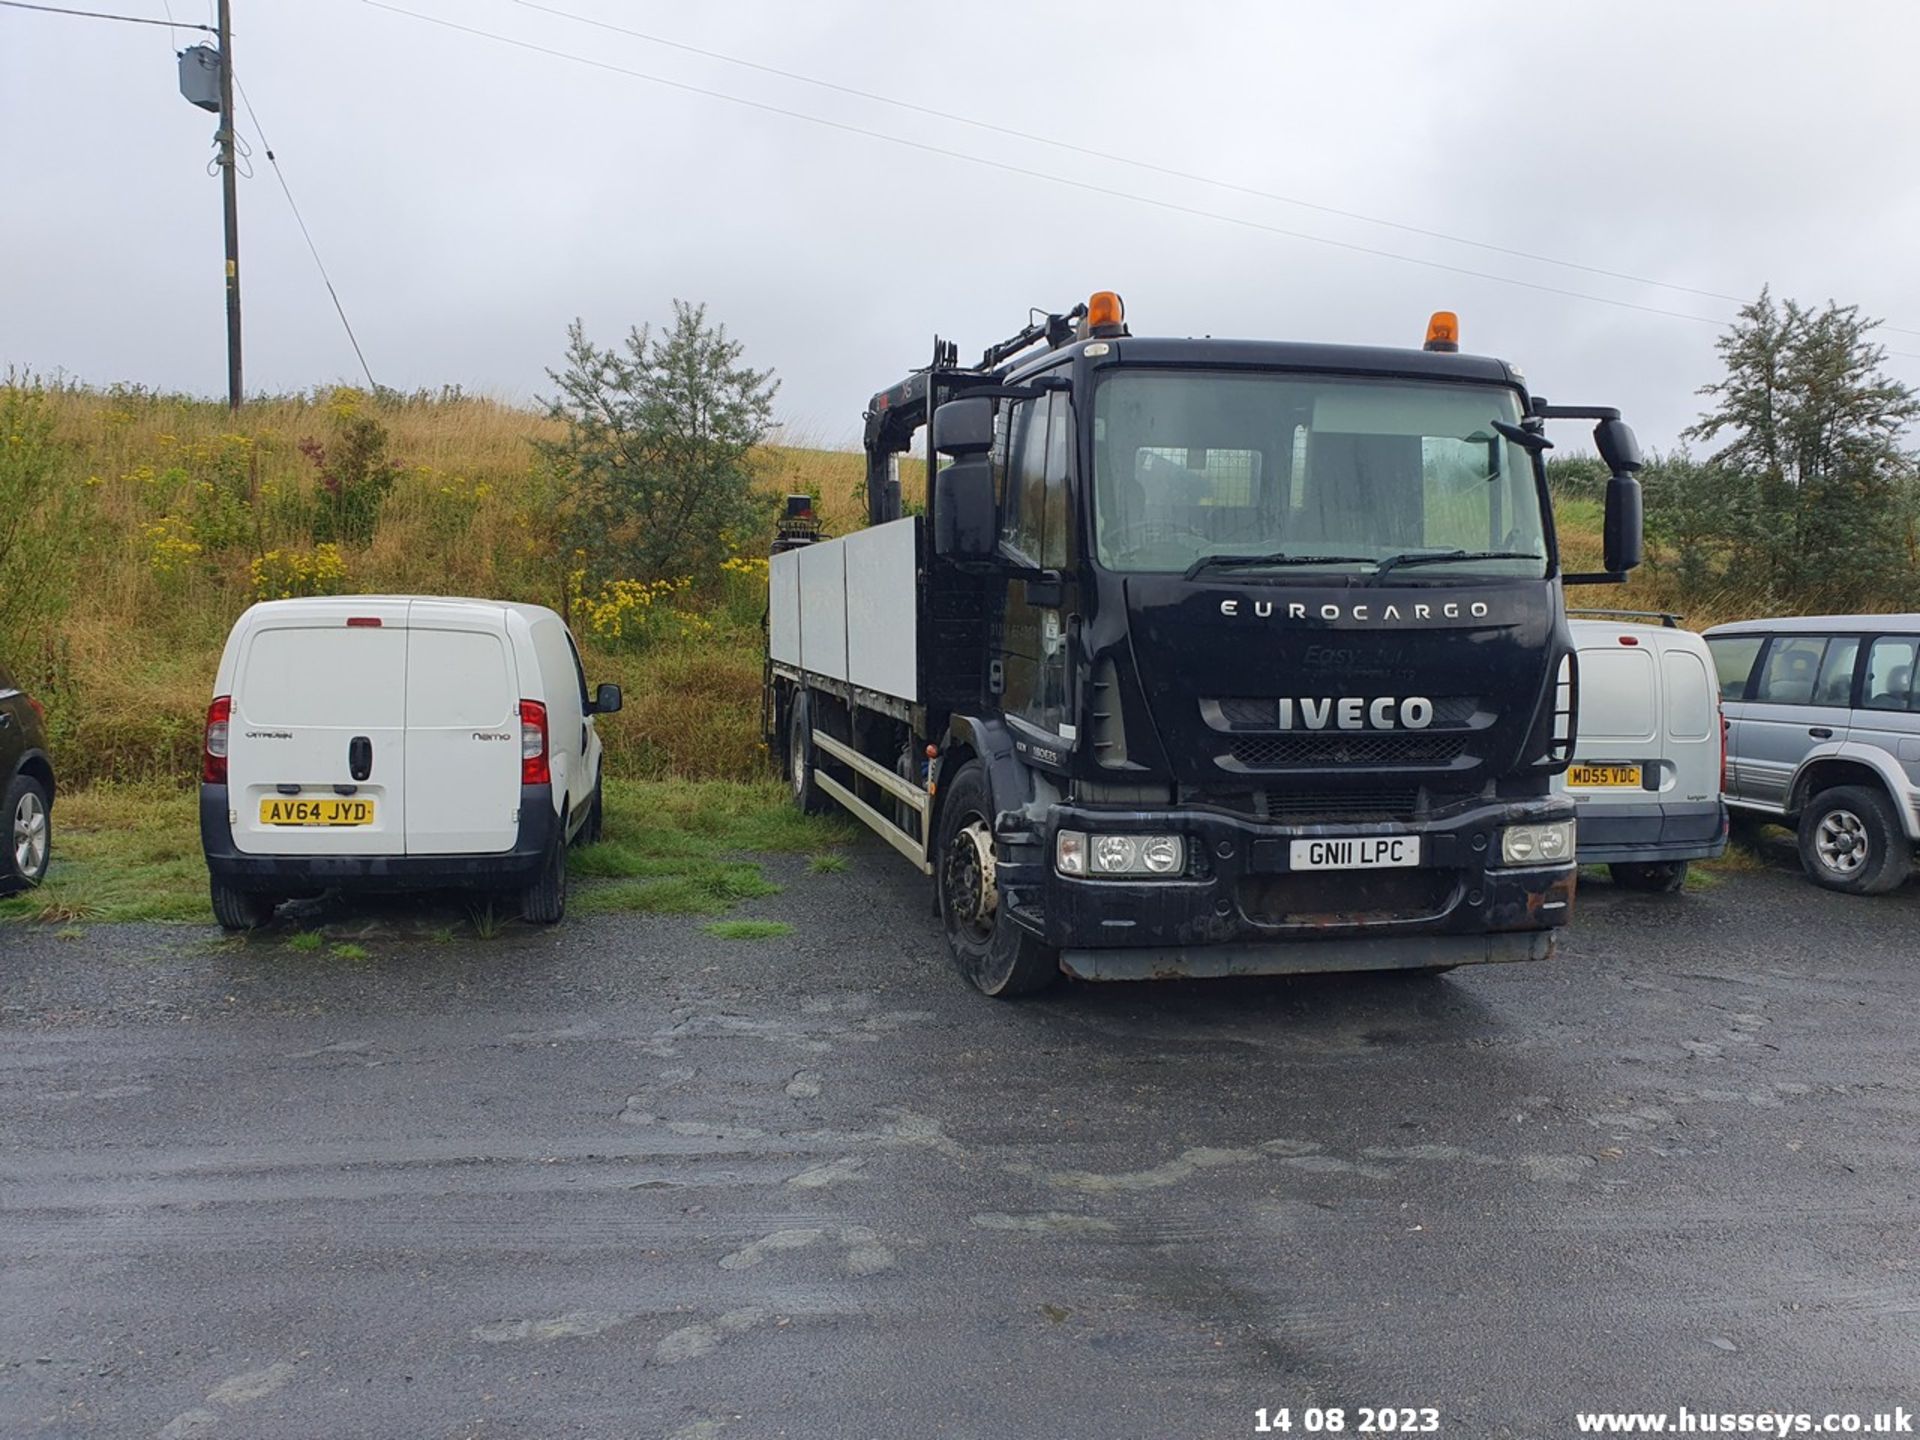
pixel 397 742
pixel 1647 753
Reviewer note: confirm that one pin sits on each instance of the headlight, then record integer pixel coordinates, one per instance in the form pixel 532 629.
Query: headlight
pixel 1077 853
pixel 1537 844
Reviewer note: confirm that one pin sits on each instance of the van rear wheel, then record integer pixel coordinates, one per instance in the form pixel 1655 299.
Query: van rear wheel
pixel 1660 877
pixel 238 909
pixel 544 902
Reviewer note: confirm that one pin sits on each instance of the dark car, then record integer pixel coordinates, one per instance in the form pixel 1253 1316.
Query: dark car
pixel 26 789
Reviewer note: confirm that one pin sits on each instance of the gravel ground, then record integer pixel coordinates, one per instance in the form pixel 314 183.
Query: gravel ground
pixel 628 1179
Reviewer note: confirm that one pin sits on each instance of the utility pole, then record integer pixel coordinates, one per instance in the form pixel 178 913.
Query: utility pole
pixel 230 195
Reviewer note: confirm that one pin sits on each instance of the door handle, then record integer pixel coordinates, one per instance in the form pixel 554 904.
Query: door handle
pixel 360 757
pixel 1820 732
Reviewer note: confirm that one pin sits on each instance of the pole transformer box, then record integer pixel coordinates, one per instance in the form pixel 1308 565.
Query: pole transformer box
pixel 200 76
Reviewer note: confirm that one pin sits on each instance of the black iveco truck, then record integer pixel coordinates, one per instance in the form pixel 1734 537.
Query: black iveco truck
pixel 1209 657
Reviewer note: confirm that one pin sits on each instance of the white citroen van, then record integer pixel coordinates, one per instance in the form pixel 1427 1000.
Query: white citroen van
pixel 1648 752
pixel 397 742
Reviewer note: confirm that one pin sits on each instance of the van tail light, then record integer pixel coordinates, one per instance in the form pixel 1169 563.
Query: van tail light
pixel 533 744
pixel 213 750
pixel 38 709
pixel 1723 749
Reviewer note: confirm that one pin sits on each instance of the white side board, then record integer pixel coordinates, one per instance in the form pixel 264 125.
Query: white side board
pixel 846 609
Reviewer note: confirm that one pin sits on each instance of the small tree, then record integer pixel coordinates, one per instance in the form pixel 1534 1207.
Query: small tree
pixel 1810 499
pixel 656 455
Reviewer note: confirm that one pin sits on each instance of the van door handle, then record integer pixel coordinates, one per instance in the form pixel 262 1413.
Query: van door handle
pixel 1820 732
pixel 360 757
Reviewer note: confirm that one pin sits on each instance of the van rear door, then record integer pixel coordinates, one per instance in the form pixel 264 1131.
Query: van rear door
pixel 463 731
pixel 316 754
pixel 1691 747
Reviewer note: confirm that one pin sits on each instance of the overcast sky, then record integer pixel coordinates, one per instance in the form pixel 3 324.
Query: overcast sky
pixel 470 197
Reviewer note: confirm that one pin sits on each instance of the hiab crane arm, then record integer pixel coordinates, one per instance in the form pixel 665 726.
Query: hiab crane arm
pixel 895 413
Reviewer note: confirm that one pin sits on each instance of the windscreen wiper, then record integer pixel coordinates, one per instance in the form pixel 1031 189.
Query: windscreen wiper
pixel 1279 557
pixel 1434 557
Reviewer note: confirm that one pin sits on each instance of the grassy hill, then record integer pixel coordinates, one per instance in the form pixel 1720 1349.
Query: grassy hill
pixel 171 516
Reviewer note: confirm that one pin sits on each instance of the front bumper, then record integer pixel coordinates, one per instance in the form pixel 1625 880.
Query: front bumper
pixel 1239 891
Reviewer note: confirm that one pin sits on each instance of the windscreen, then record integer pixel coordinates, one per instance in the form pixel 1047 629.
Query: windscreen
pixel 1328 473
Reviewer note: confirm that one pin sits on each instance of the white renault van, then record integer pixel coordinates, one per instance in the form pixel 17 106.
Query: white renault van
pixel 396 742
pixel 1648 752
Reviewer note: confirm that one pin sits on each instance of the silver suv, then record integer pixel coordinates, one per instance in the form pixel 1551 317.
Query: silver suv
pixel 1823 733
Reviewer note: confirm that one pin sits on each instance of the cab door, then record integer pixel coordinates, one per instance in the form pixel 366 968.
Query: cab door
pixel 1037 534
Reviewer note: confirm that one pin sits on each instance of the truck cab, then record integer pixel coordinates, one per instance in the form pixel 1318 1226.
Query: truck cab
pixel 1238 657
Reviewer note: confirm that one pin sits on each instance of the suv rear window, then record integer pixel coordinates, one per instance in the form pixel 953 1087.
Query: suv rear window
pixel 1890 667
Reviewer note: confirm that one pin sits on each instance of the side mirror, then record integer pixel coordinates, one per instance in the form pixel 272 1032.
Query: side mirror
pixel 1622 537
pixel 965 519
pixel 963 427
pixel 606 700
pixel 1618 446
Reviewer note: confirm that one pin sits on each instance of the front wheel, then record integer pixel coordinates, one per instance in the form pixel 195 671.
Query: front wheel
pixel 993 952
pixel 1664 877
pixel 1852 840
pixel 594 826
pixel 29 834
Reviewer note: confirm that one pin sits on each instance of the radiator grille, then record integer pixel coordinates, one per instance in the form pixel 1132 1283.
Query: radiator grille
pixel 1344 747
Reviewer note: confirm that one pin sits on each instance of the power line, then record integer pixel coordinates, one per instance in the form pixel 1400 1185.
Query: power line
pixel 102 15
pixel 1082 185
pixel 1088 186
pixel 1135 162
pixel 313 249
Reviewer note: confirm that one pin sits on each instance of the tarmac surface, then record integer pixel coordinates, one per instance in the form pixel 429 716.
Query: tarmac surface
pixel 627 1179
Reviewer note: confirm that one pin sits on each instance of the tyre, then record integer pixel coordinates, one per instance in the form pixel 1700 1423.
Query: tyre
pixel 593 828
pixel 27 815
pixel 807 796
pixel 238 909
pixel 1662 877
pixel 1851 840
pixel 544 902
pixel 992 951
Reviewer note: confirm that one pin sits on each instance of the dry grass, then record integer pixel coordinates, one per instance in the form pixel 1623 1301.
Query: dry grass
pixel 129 668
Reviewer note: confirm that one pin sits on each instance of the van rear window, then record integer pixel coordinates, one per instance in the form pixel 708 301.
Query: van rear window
pixel 333 677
